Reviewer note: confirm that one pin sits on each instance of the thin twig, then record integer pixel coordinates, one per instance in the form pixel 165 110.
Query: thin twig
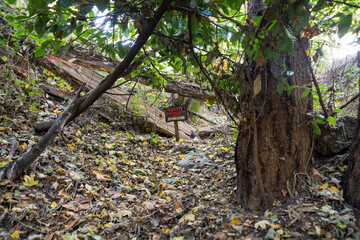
pixel 25 225
pixel 127 102
pixel 203 70
pixel 348 102
pixel 347 4
pixel 313 78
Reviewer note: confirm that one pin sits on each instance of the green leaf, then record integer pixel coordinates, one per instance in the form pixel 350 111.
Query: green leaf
pixel 9 18
pixel 11 1
pixel 39 52
pixel 331 120
pixel 320 121
pixel 316 128
pixel 306 92
pixel 65 3
pixel 36 6
pixel 139 171
pixel 85 9
pixel 257 20
pixel 319 5
pixel 101 4
pixel 236 36
pixel 338 110
pixel 344 25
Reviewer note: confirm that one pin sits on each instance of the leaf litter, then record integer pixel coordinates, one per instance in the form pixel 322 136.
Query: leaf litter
pixel 97 182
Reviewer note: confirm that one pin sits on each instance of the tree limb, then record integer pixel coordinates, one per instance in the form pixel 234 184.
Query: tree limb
pixel 16 168
pixel 80 104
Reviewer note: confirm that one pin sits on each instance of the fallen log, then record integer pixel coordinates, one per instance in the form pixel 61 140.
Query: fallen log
pixel 75 74
pixel 206 132
pixel 186 89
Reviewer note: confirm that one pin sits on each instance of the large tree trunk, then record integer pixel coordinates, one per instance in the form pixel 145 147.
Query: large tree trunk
pixel 352 176
pixel 273 151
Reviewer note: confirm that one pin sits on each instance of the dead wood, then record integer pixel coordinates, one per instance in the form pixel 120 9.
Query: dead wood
pixel 80 104
pixel 186 89
pixel 16 168
pixel 202 117
pixel 71 73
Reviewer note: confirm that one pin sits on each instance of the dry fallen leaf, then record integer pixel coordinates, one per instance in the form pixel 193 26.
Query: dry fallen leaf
pixel 262 224
pixel 257 85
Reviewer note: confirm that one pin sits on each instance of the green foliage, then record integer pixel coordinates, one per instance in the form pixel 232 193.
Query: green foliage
pixel 344 24
pixel 155 139
pixel 221 37
pixel 196 107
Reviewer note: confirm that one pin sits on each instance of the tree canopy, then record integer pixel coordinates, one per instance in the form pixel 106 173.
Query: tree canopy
pixel 206 40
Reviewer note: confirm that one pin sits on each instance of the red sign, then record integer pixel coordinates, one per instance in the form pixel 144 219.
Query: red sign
pixel 176 113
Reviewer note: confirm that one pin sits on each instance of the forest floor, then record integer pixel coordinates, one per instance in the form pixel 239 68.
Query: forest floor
pixel 99 182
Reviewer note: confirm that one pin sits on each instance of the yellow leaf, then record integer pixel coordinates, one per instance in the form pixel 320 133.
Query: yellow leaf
pixel 4 58
pixel 308 52
pixel 324 186
pixel 3 164
pixel 178 210
pixel 29 181
pixel 334 189
pixel 341 169
pixel 104 135
pixel 53 204
pixel 225 65
pixel 178 238
pixel 145 143
pixel 224 149
pixel 166 230
pixel 275 226
pixel 158 158
pixel 195 210
pixel 15 235
pixel 4 128
pixel 268 213
pixel 57 111
pixel 235 222
pixel 210 215
pixel 182 156
pixel 23 146
pixel 108 224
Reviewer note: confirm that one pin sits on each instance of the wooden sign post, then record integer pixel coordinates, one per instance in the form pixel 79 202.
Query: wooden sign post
pixel 175 114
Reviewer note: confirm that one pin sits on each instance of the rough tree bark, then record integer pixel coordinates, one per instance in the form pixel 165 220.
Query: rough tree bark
pixel 16 168
pixel 273 149
pixel 352 176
